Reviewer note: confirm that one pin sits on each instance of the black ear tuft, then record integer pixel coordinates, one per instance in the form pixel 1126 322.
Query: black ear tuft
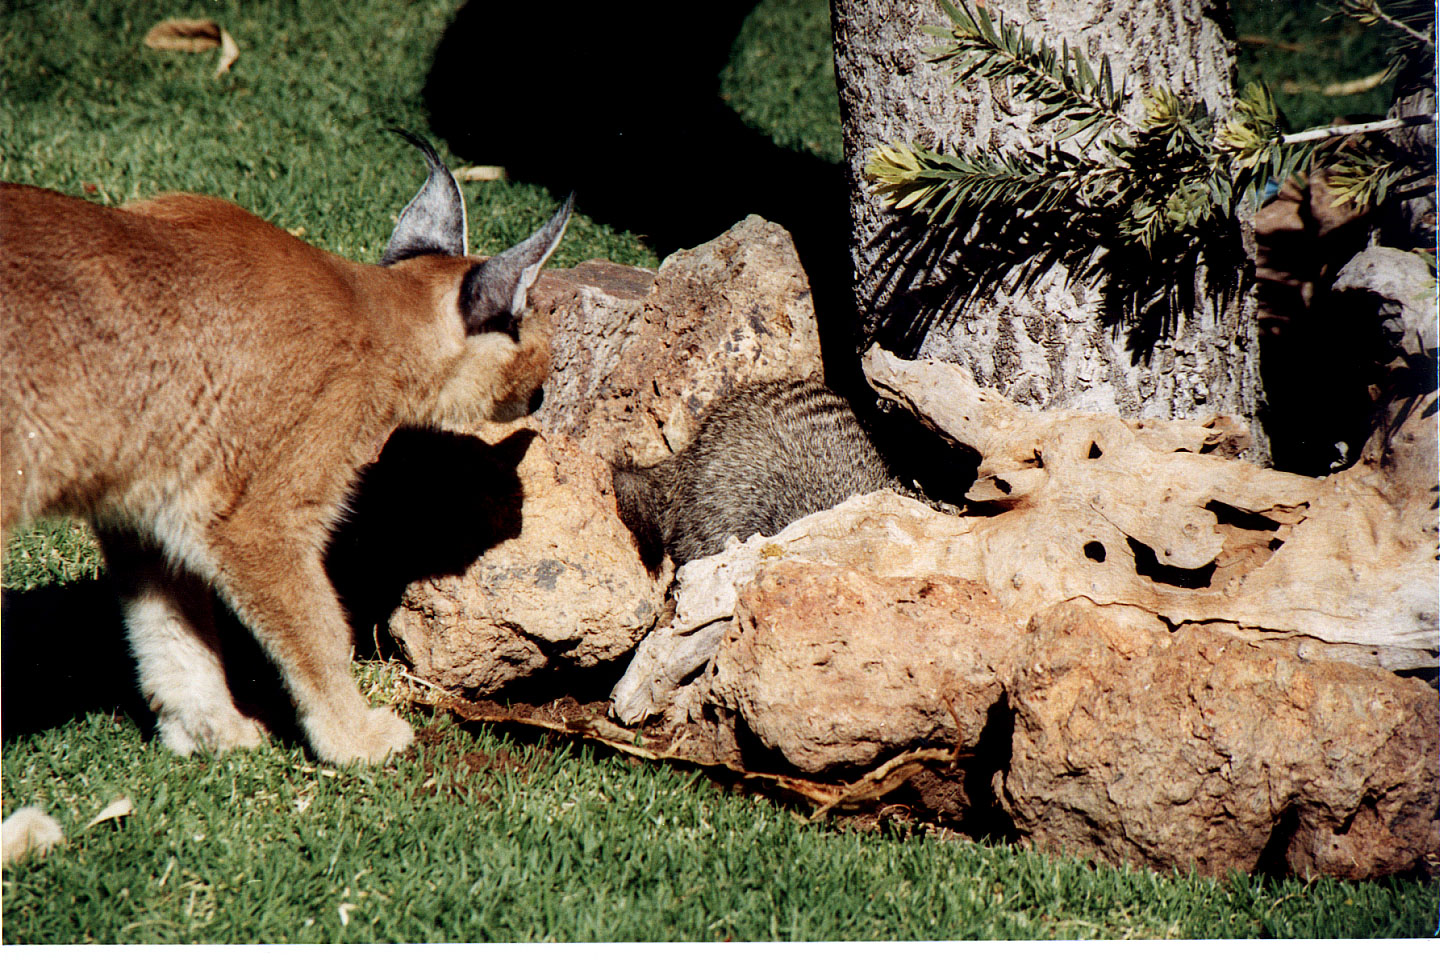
pixel 434 220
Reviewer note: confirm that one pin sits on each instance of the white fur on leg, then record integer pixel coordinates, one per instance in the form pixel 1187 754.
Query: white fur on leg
pixel 183 679
pixel 366 734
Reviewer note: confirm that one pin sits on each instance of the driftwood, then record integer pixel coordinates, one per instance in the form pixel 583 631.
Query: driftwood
pixel 1145 514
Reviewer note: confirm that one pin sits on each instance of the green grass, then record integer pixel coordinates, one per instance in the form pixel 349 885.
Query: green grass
pixel 52 551
pixel 296 131
pixel 477 836
pixel 781 76
pixel 1309 48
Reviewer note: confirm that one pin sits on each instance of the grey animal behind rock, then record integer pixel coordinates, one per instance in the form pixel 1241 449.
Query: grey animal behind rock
pixel 765 455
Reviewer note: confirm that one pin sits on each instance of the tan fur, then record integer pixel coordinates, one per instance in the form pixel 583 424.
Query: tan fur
pixel 206 387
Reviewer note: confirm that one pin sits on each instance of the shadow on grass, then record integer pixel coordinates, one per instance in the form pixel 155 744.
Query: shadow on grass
pixel 64 654
pixel 429 506
pixel 621 104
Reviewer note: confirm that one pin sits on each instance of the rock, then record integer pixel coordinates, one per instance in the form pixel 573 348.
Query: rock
pixel 567 590
pixel 1402 454
pixel 639 356
pixel 1142 746
pixel 596 312
pixel 881 534
pixel 1136 513
pixel 836 669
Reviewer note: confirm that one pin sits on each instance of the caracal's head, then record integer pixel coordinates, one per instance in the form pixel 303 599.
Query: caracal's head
pixel 505 358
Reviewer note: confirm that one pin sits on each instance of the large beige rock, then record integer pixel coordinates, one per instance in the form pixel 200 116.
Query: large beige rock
pixel 640 355
pixel 839 642
pixel 880 534
pixel 567 590
pixel 836 669
pixel 1141 746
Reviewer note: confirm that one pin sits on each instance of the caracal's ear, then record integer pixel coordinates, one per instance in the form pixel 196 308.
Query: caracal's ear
pixel 434 221
pixel 492 296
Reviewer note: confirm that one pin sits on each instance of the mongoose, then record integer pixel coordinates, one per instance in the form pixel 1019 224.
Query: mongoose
pixel 765 455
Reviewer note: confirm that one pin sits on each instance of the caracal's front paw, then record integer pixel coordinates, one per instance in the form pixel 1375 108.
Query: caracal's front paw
pixel 369 737
pixel 208 732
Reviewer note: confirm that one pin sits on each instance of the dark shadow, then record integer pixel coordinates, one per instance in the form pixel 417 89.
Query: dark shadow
pixel 1331 375
pixel 1273 860
pixel 430 505
pixel 620 103
pixel 583 684
pixel 1319 362
pixel 65 656
pixel 943 271
pixel 964 798
pixel 1148 565
pixel 943 469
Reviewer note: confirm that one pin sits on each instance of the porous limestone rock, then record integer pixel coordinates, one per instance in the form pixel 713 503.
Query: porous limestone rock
pixel 881 534
pixel 640 355
pixel 568 590
pixel 1142 746
pixel 1142 513
pixel 836 669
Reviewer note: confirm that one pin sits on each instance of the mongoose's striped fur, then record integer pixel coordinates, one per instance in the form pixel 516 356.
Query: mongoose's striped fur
pixel 765 455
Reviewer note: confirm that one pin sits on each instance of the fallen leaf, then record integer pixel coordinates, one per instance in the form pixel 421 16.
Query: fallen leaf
pixel 229 52
pixel 472 174
pixel 120 807
pixel 187 36
pixel 195 36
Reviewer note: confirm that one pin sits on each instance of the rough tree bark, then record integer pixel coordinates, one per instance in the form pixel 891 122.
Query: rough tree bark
pixel 1051 346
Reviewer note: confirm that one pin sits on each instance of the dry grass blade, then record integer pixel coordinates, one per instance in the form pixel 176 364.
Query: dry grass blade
pixel 480 173
pixel 229 52
pixel 194 36
pixel 1343 88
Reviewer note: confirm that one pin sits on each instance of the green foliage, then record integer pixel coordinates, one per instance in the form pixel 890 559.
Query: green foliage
pixel 1064 83
pixel 1158 194
pixel 1162 177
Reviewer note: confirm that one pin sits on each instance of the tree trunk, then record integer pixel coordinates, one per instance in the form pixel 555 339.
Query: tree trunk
pixel 1052 344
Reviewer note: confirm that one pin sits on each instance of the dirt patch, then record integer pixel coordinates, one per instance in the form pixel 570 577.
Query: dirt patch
pixel 463 775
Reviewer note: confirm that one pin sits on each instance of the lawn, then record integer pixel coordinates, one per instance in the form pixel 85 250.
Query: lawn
pixel 480 833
